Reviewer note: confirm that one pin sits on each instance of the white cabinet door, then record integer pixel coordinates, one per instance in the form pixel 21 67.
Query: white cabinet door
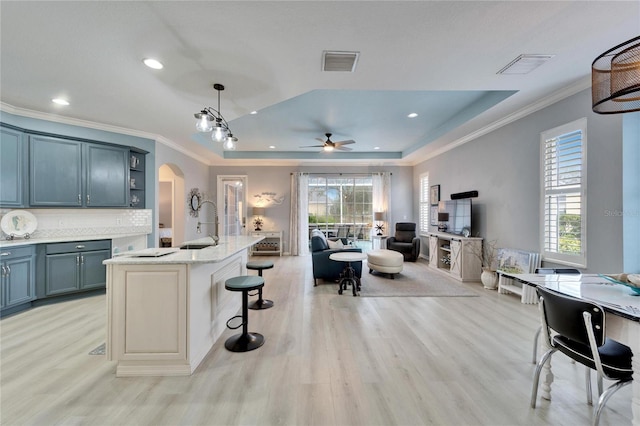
pixel 456 259
pixel 433 251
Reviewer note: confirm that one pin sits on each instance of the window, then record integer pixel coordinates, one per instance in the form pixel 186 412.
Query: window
pixel 424 203
pixel 563 171
pixel 339 204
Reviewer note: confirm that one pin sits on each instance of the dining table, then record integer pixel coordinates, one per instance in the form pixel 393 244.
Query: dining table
pixel 621 305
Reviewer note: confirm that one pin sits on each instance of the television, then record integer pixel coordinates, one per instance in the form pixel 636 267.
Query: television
pixel 459 215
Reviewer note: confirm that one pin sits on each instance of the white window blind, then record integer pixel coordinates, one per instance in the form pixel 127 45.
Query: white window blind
pixel 424 203
pixel 563 194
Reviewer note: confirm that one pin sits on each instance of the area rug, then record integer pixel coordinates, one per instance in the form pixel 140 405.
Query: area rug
pixel 415 280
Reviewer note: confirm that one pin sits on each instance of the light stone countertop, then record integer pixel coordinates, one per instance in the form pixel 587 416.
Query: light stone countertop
pixel 228 246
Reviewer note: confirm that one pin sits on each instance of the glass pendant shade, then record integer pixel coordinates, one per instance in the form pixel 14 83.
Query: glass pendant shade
pixel 204 123
pixel 219 133
pixel 230 143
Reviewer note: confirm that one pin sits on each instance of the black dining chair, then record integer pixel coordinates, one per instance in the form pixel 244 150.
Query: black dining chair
pixel 548 271
pixel 576 328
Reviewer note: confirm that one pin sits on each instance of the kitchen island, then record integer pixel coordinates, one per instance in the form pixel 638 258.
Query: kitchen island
pixel 166 307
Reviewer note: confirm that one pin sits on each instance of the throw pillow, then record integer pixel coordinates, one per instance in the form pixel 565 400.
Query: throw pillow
pixel 335 244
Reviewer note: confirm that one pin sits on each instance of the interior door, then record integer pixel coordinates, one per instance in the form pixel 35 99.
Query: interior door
pixel 232 205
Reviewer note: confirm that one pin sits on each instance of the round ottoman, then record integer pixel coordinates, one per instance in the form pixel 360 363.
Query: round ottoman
pixel 385 261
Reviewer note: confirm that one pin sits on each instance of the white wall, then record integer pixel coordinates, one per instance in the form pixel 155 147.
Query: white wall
pixel 503 166
pixel 196 175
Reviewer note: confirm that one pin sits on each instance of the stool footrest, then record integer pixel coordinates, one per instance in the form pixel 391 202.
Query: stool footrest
pixel 231 319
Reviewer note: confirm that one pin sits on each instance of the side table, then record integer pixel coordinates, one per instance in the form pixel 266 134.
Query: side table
pixel 349 274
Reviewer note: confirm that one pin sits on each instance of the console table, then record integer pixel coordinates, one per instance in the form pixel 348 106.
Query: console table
pixel 454 255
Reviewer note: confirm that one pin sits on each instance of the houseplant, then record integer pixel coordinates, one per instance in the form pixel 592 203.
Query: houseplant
pixel 487 256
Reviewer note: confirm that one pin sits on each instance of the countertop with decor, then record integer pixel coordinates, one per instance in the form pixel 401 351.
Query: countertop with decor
pixel 228 246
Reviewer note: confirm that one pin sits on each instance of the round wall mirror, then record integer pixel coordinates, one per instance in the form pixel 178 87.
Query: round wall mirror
pixel 194 202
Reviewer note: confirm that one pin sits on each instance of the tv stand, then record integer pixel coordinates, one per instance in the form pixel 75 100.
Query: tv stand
pixel 453 255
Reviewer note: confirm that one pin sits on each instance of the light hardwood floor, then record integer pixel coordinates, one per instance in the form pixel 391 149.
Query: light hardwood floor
pixel 327 360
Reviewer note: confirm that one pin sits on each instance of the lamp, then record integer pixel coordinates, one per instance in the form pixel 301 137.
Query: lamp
pixel 211 120
pixel 379 217
pixel 257 222
pixel 443 218
pixel 615 79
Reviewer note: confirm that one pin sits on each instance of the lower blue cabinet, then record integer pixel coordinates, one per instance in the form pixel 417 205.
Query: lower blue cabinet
pixel 17 283
pixel 77 266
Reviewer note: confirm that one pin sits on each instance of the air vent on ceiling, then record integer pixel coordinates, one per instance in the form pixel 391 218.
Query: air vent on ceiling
pixel 339 61
pixel 524 64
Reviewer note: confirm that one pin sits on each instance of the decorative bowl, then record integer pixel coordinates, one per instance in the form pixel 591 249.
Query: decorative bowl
pixel 635 289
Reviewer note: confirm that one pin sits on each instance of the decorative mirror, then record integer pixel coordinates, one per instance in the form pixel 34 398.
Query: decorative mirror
pixel 193 201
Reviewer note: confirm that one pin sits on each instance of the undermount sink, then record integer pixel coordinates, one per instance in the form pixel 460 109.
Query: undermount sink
pixel 195 246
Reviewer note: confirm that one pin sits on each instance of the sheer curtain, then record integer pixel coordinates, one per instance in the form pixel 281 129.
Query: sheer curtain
pixel 382 197
pixel 299 226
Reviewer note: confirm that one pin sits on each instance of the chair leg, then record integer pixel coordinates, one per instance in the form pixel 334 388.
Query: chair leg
pixel 535 345
pixel 599 385
pixel 587 378
pixel 536 376
pixel 605 397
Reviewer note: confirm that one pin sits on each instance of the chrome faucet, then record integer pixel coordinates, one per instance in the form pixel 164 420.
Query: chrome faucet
pixel 213 236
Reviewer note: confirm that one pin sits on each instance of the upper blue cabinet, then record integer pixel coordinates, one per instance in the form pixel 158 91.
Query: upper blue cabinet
pixel 68 173
pixel 13 168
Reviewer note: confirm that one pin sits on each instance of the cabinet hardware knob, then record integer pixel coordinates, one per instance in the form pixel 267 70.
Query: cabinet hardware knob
pixel 79 199
pixel 88 199
pixel 4 271
pixel 81 259
pixel 77 260
pixel 80 246
pixel 8 269
pixel 6 253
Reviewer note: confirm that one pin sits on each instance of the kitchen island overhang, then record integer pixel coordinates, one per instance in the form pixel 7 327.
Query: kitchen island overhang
pixel 166 307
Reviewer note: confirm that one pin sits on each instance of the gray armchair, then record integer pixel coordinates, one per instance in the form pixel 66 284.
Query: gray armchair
pixel 405 241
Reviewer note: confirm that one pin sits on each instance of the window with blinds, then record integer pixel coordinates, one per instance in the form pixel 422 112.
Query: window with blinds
pixel 563 171
pixel 424 203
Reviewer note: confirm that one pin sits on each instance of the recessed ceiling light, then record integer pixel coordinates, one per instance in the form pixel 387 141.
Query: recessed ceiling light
pixel 413 115
pixel 253 112
pixel 60 101
pixel 153 63
pixel 376 147
pixel 272 147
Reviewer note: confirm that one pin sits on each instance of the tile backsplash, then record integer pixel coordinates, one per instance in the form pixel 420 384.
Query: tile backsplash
pixel 89 222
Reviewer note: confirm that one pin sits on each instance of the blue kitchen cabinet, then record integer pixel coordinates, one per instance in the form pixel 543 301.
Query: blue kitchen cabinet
pixel 69 173
pixel 13 167
pixel 17 283
pixel 74 267
pixel 107 177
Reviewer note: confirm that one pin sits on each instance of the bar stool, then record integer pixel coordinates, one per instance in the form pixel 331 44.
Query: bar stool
pixel 245 341
pixel 260 266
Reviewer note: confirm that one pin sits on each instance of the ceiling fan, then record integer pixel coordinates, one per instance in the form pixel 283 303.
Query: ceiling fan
pixel 329 145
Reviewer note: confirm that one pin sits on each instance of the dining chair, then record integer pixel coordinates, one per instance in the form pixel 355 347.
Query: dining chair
pixel 548 271
pixel 576 328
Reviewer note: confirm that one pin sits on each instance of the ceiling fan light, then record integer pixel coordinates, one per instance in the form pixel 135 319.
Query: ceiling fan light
pixel 328 148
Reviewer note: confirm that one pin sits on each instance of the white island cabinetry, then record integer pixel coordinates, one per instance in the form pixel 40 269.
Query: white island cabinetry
pixel 165 313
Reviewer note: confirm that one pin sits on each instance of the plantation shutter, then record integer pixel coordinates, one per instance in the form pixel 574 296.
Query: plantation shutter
pixel 563 191
pixel 424 203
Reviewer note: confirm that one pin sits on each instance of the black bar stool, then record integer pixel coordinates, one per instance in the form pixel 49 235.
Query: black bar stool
pixel 260 266
pixel 245 341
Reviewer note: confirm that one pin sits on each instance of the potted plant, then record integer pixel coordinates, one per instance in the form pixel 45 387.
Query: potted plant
pixel 487 256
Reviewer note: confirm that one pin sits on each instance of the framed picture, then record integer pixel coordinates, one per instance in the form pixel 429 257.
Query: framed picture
pixel 433 215
pixel 434 195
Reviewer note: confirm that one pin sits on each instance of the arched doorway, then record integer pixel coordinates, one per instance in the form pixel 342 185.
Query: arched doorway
pixel 171 213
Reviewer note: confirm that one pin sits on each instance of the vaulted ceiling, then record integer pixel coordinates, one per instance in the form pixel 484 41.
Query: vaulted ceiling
pixel 439 59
